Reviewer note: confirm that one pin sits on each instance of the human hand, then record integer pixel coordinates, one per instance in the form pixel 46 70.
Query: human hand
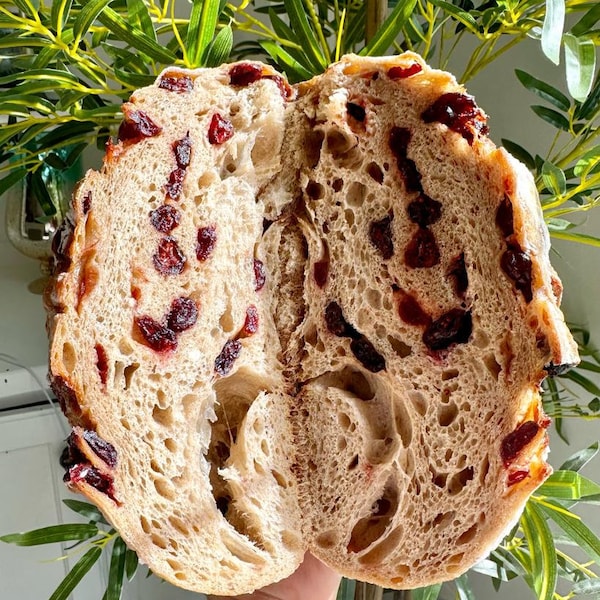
pixel 311 580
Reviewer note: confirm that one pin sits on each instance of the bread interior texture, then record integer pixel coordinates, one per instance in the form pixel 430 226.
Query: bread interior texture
pixel 360 379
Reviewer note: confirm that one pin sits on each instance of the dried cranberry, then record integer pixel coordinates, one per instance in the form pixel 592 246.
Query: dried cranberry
pixel 86 202
pixel 366 354
pixel 245 73
pixel 206 242
pixel 453 327
pixel 228 355
pixel 260 275
pixel 67 399
pixel 183 151
pixel 404 72
pixel 169 259
pixel 516 476
pixel 93 477
pixel 356 111
pixel 321 272
pixel 422 251
pixel 183 314
pixel 71 454
pixel 174 185
pixel 165 218
pixel 504 217
pixel 411 312
pixel 220 129
pixel 136 126
pixel 287 92
pixel 61 244
pixel 457 273
pixel 101 448
pixel 251 322
pixel 514 442
pixel 175 82
pixel 101 363
pixel 517 265
pixel 336 323
pixel 398 143
pixel 156 336
pixel 380 234
pixel 424 210
pixel 459 113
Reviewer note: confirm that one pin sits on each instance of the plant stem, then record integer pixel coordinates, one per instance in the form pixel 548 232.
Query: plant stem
pixel 376 14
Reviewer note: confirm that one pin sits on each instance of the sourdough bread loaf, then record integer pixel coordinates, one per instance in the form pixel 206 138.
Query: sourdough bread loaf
pixel 314 319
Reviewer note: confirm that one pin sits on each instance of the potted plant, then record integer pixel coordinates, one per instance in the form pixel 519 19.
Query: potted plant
pixel 74 62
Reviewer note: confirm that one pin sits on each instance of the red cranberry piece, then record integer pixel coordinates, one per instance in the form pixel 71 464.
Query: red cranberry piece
pixel 67 399
pixel 165 218
pixel 71 454
pixel 514 442
pixel 516 476
pixel 380 234
pixel 422 251
pixel 356 111
pixel 336 323
pixel 260 275
pixel 366 354
pixel 459 113
pixel 207 240
pixel 183 151
pixel 61 245
pixel 136 126
pixel 244 74
pixel 174 186
pixel 411 312
pixel 156 336
pixel 517 265
pixel 424 211
pixel 86 202
pixel 101 448
pixel 457 273
pixel 398 143
pixel 183 314
pixel 321 272
pixel 175 82
pixel 453 327
pixel 101 363
pixel 251 322
pixel 228 355
pixel 93 477
pixel 504 217
pixel 169 259
pixel 404 72
pixel 220 129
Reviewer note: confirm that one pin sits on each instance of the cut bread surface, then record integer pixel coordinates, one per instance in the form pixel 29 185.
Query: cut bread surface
pixel 314 323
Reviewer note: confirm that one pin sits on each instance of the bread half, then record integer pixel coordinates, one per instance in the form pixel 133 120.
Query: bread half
pixel 314 319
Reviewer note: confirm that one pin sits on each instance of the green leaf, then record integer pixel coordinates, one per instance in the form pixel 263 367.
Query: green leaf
pixel 305 35
pixel 554 178
pixel 587 384
pixel 568 485
pixel 347 588
pixel 543 90
pixel 294 70
pixel 8 181
pixel 201 29
pixel 116 570
pixel 139 17
pixel 555 224
pixel 543 554
pixel 551 116
pixel 389 30
pixel 587 22
pixel 520 153
pixel 87 15
pixel 75 575
pixel 85 509
pixel 580 61
pixel 52 534
pixel 590 106
pixel 575 529
pixel 462 16
pixel 552 29
pixel 463 588
pixel 220 49
pixel 131 564
pixel 587 162
pixel 586 587
pixel 60 13
pixel 430 592
pixel 580 238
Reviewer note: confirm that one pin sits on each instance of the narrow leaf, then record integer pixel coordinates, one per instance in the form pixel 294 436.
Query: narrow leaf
pixel 131 564
pixel 52 534
pixel 568 485
pixel 580 62
pixel 201 29
pixel 587 587
pixel 220 49
pixel 551 116
pixel 389 30
pixel 592 102
pixel 587 384
pixel 140 18
pixel 543 90
pixel 554 178
pixel 294 70
pixel 580 238
pixel 89 511
pixel 552 29
pixel 431 592
pixel 555 224
pixel 87 15
pixel 462 16
pixel 75 575
pixel 520 153
pixel 587 162
pixel 60 13
pixel 6 183
pixel 463 588
pixel 305 34
pixel 587 22
pixel 116 570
